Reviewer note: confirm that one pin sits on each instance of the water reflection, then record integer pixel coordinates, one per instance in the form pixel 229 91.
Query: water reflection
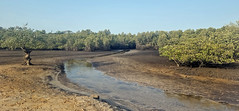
pixel 84 74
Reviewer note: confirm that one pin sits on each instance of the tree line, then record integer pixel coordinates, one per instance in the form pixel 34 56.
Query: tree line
pixel 15 37
pixel 189 47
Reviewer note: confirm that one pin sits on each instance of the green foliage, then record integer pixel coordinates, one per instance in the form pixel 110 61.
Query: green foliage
pixel 203 46
pixel 16 37
pixel 189 47
pixel 89 43
pixel 147 40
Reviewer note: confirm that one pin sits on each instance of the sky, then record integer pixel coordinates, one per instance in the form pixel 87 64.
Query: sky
pixel 128 16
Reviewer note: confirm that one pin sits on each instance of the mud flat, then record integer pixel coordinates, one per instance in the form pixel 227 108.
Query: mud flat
pixel 42 87
pixel 220 84
pixel 133 96
pixel 34 88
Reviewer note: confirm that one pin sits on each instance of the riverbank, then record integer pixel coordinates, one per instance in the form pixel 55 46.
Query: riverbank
pixel 147 68
pixel 33 87
pixel 36 87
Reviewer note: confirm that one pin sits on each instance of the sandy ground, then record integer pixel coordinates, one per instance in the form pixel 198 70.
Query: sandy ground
pixel 147 68
pixel 35 88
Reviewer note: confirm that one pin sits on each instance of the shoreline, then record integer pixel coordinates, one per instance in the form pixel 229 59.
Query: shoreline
pixel 182 96
pixel 64 84
pixel 146 68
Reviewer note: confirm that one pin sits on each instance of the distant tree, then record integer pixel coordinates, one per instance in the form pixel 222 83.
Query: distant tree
pixel 89 43
pixel 79 45
pixel 106 43
pixel 10 43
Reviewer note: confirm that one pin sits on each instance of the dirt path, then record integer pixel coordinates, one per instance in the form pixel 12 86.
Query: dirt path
pixel 147 68
pixel 28 87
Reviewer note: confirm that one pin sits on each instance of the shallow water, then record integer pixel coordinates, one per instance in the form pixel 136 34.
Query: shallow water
pixel 132 94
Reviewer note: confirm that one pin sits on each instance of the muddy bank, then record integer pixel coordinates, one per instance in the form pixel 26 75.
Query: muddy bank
pixel 132 95
pixel 36 88
pixel 27 87
pixel 145 67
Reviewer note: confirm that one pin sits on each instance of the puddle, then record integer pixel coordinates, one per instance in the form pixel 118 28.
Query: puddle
pixel 132 94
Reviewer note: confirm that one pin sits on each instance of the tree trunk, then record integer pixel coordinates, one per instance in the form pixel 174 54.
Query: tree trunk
pixel 27 57
pixel 178 65
pixel 201 64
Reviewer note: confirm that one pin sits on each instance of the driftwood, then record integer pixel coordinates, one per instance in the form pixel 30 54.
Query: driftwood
pixel 27 57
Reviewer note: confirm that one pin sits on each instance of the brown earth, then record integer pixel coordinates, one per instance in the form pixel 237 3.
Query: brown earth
pixel 220 84
pixel 35 87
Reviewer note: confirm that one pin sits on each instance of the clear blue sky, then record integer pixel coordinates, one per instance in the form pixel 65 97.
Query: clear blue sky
pixel 118 15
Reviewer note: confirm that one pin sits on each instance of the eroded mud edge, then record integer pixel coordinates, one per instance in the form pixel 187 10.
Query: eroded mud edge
pixel 59 81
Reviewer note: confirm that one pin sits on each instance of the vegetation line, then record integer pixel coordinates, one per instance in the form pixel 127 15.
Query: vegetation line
pixel 190 47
